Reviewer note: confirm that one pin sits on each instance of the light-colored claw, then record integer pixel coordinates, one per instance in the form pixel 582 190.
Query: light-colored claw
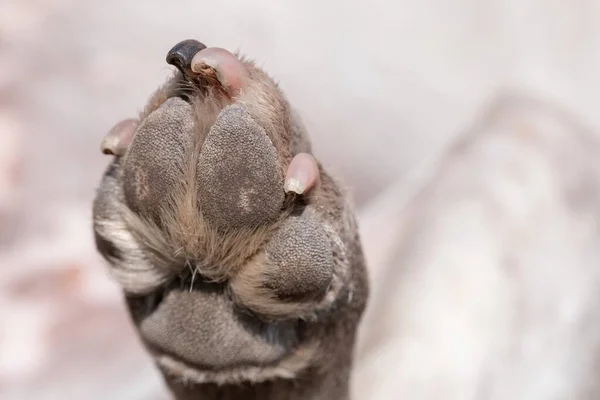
pixel 118 139
pixel 222 65
pixel 302 174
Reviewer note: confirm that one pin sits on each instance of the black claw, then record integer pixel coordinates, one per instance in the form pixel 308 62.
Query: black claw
pixel 182 53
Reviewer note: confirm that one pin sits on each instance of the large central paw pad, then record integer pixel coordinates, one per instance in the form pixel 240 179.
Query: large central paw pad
pixel 240 182
pixel 203 328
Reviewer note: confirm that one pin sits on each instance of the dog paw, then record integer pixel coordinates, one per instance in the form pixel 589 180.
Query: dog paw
pixel 214 206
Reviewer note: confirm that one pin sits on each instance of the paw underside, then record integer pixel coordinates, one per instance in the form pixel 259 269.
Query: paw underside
pixel 216 326
pixel 253 318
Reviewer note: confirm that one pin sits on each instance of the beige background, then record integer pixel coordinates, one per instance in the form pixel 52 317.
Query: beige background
pixel 384 88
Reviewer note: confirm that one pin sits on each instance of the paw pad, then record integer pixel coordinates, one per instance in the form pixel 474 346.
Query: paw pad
pixel 155 157
pixel 240 183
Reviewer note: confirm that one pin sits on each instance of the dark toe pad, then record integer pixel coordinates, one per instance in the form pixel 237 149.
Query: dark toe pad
pixel 240 183
pixel 300 259
pixel 155 157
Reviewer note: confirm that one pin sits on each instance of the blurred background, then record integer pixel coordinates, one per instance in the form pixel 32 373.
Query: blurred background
pixel 466 130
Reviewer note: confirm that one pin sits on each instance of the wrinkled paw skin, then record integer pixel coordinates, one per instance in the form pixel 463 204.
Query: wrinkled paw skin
pixel 184 325
pixel 238 255
pixel 293 273
pixel 240 184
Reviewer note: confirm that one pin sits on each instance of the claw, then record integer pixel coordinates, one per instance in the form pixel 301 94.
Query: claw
pixel 182 53
pixel 220 64
pixel 118 139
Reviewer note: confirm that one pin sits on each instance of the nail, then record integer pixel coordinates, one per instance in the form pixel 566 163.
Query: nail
pixel 118 139
pixel 302 174
pixel 294 185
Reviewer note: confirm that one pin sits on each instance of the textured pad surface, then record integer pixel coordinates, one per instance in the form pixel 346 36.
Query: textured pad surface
pixel 203 328
pixel 240 183
pixel 300 258
pixel 156 155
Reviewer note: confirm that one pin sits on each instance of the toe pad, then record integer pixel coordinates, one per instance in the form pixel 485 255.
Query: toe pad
pixel 240 183
pixel 300 259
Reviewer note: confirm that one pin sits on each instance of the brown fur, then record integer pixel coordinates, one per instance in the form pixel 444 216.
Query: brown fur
pixel 286 281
